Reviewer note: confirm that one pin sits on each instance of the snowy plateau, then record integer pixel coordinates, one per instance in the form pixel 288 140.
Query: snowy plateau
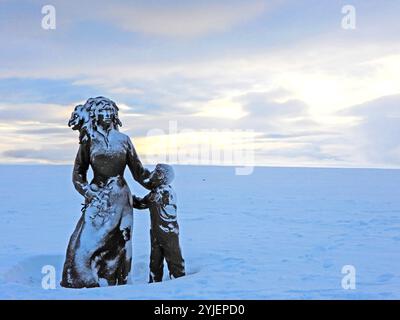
pixel 279 233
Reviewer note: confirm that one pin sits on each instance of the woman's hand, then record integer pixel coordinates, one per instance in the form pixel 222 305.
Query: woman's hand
pixel 91 193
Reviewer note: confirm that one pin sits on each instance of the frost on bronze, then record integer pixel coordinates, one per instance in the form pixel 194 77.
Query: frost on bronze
pixel 99 252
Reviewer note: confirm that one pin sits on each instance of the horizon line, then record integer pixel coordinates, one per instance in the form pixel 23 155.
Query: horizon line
pixel 216 165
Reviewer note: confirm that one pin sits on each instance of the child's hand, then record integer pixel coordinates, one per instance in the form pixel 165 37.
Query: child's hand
pixel 138 203
pixel 135 202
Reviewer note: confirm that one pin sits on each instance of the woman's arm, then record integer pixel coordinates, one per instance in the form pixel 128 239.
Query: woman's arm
pixel 139 173
pixel 81 167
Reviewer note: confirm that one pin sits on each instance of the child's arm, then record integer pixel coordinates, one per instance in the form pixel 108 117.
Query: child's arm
pixel 141 203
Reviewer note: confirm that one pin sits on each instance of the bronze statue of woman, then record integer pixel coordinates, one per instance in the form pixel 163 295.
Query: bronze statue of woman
pixel 100 249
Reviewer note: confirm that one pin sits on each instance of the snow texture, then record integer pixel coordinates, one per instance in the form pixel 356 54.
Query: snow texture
pixel 280 233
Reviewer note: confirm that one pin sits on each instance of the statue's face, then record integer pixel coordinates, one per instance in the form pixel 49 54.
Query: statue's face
pixel 105 115
pixel 156 177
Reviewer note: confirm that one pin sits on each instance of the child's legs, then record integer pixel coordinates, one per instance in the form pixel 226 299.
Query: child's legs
pixel 156 260
pixel 173 256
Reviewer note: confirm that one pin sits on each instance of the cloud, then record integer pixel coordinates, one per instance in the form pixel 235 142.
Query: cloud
pixel 171 19
pixel 265 113
pixel 56 154
pixel 297 135
pixel 307 153
pixel 43 131
pixel 182 19
pixel 260 104
pixel 42 90
pixel 376 133
pixel 35 112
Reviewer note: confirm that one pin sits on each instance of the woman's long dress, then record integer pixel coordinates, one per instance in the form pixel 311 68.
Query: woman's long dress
pixel 100 249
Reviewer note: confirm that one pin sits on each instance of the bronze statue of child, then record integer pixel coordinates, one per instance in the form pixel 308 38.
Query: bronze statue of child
pixel 164 232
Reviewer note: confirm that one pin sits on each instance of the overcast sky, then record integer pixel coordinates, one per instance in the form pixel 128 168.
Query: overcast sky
pixel 282 78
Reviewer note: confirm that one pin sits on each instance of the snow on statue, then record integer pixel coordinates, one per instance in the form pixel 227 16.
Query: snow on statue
pixel 100 249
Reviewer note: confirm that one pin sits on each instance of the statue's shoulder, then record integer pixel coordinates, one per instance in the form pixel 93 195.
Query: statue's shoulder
pixel 123 135
pixel 119 135
pixel 123 138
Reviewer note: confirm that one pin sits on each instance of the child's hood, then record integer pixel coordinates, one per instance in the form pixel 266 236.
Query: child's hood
pixel 168 173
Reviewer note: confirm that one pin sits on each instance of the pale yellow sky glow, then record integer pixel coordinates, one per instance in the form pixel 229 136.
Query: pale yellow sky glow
pixel 221 108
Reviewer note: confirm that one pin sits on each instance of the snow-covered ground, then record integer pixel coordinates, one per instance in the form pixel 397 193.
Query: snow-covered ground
pixel 280 233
